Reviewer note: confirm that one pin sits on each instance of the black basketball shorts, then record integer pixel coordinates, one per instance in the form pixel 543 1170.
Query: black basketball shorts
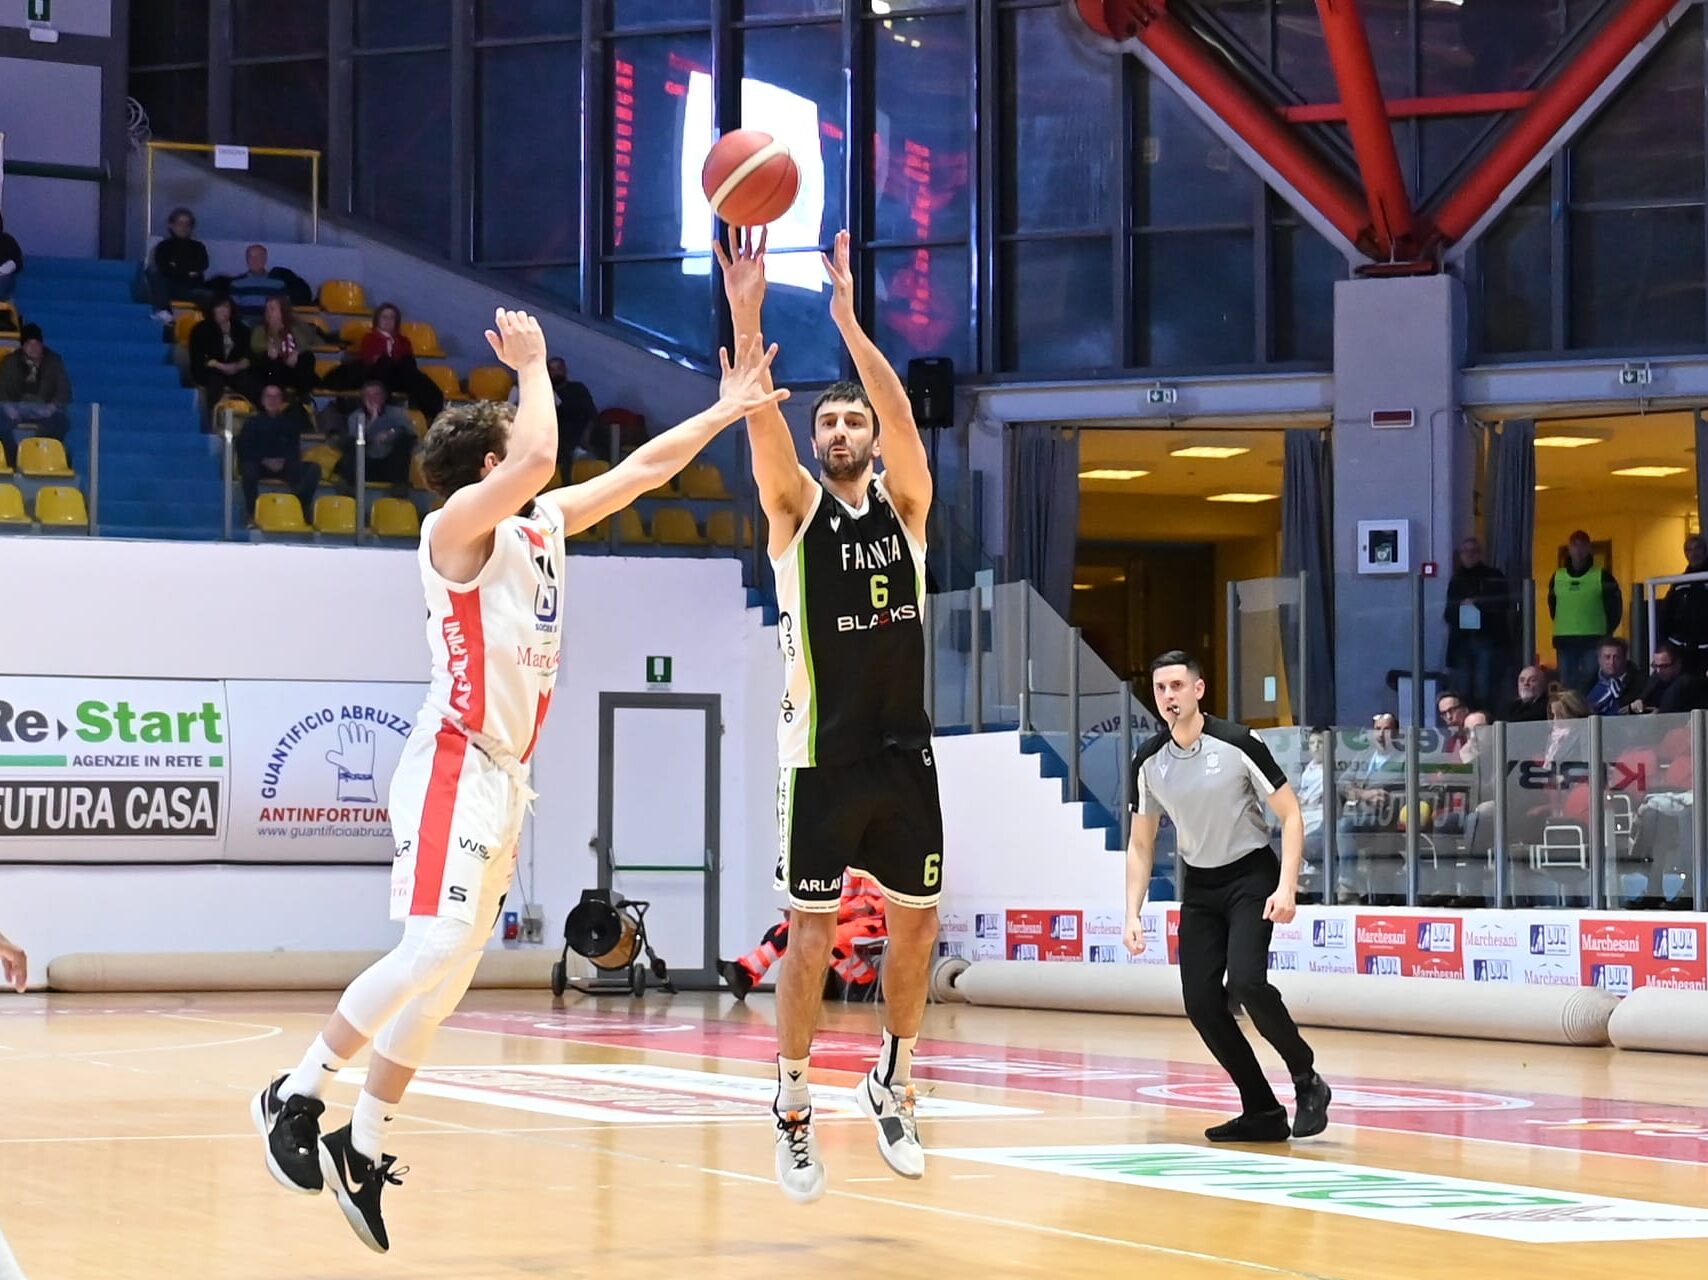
pixel 878 817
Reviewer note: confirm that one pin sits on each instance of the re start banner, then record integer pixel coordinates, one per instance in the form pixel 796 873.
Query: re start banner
pixel 97 770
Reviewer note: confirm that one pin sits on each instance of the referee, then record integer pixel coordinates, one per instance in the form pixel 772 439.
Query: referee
pixel 1212 777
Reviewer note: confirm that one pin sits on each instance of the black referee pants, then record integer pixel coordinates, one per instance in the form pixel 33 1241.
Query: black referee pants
pixel 1224 955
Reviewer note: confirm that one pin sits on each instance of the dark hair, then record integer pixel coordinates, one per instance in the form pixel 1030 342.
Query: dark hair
pixel 459 440
pixel 1672 651
pixel 30 332
pixel 214 303
pixel 844 391
pixel 391 307
pixel 1177 658
pixel 182 211
pixel 287 312
pixel 1624 646
pixel 1449 693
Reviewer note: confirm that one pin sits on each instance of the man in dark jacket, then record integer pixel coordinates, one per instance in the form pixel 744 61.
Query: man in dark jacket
pixel 1586 604
pixel 34 390
pixel 1673 690
pixel 1617 683
pixel 180 266
pixel 1479 625
pixel 259 282
pixel 1532 701
pixel 270 447
pixel 1684 612
pixel 11 263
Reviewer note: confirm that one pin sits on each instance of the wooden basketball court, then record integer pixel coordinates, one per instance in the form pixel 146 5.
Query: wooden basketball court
pixel 632 1139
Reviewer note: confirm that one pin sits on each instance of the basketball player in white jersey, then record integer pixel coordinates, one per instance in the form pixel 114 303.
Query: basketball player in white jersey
pixel 493 579
pixel 858 785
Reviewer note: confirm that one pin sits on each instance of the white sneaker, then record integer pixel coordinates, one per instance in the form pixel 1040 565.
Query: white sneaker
pixel 799 1170
pixel 891 1109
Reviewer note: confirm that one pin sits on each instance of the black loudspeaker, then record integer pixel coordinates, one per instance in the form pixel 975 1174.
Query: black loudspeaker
pixel 931 390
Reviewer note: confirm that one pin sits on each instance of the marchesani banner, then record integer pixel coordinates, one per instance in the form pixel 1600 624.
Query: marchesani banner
pixel 137 771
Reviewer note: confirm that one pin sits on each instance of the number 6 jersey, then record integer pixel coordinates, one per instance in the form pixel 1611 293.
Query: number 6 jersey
pixel 850 594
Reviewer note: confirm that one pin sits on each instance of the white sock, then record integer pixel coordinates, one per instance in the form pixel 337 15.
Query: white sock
pixel 367 1126
pixel 792 1094
pixel 895 1060
pixel 316 1070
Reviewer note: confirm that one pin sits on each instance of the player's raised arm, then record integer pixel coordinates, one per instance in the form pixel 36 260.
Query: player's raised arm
pixel 745 390
pixel 457 542
pixel 907 472
pixel 785 487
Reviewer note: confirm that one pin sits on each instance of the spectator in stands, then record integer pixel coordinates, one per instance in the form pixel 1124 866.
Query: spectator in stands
pixel 281 348
pixel 389 433
pixel 260 282
pixel 11 263
pixel 1673 690
pixel 35 390
pixel 269 447
pixel 1684 611
pixel 1586 604
pixel 576 414
pixel 1531 704
pixel 219 352
pixel 179 269
pixel 1616 684
pixel 389 356
pixel 1479 623
pixel 1362 792
pixel 1475 730
pixel 1450 710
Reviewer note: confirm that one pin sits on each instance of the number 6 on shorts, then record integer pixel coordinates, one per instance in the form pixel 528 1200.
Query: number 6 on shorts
pixel 933 869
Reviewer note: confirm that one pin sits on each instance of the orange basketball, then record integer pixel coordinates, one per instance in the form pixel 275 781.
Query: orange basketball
pixel 750 178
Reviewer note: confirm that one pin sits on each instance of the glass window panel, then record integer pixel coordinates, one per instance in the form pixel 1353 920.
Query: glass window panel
pixel 1648 144
pixel 797 311
pixel 508 19
pixel 1058 145
pixel 920 304
pixel 1517 290
pixel 395 24
pixel 1247 21
pixel 1195 299
pixel 1488 47
pixel 163 31
pixel 1446 144
pixel 921 162
pixel 280 104
pixel 792 87
pixel 1301 55
pixel 1637 279
pixel 792 8
pixel 176 102
pixel 403 145
pixel 1306 268
pixel 561 283
pixel 653 13
pixel 661 114
pixel 670 300
pixel 262 28
pixel 1058 301
pixel 1184 176
pixel 529 193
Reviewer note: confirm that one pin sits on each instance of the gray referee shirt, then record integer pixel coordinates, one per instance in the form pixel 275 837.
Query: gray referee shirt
pixel 1215 792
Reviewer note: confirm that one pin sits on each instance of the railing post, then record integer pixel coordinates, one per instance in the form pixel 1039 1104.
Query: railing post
pixel 1642 632
pixel 1331 819
pixel 361 477
pixel 1599 868
pixel 1414 841
pixel 226 458
pixel 1126 761
pixel 95 468
pixel 1233 651
pixel 1502 857
pixel 1073 715
pixel 1699 809
pixel 1025 698
pixel 1302 701
pixel 1417 660
pixel 975 661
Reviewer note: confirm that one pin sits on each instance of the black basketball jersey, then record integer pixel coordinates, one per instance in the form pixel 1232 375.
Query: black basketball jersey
pixel 850 594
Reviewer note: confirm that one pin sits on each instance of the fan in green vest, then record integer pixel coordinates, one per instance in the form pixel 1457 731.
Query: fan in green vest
pixel 1586 604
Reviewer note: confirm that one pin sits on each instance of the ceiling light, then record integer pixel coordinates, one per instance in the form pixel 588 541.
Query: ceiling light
pixel 1565 442
pixel 1217 451
pixel 1242 497
pixel 1543 488
pixel 1084 586
pixel 1111 473
pixel 1649 473
pixel 881 7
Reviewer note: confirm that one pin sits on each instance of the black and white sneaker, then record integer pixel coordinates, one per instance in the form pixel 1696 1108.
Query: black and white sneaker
pixel 291 1129
pixel 357 1182
pixel 800 1172
pixel 891 1110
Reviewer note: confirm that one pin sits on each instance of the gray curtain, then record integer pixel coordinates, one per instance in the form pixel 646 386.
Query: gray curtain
pixel 1512 509
pixel 1042 504
pixel 1307 529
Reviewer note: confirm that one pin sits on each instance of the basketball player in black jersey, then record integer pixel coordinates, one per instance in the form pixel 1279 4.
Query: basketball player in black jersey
pixel 858 788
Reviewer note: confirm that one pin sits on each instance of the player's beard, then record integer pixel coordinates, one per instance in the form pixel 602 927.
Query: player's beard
pixel 846 468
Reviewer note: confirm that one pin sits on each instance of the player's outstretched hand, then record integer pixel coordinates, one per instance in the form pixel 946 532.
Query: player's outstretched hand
pixel 1281 907
pixel 1134 936
pixel 742 390
pixel 519 340
pixel 841 280
pixel 14 964
pixel 743 266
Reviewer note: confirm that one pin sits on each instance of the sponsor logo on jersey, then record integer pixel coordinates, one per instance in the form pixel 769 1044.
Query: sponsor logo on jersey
pixel 879 618
pixel 819 886
pixel 879 553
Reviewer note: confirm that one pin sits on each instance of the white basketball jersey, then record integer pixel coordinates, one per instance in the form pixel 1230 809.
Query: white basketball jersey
pixel 495 640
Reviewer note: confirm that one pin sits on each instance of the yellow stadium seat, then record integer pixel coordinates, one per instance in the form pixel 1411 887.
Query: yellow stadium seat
pixel 353 332
pixel 445 378
pixel 39 456
pixel 335 514
pixel 418 420
pixel 182 323
pixel 675 527
pixel 12 506
pixel 395 518
pixel 324 367
pixel 8 318
pixel 5 467
pixel 490 382
pixel 343 298
pixel 423 338
pixel 280 513
pixel 233 408
pixel 60 507
pixel 701 480
pixel 720 529
pixel 629 527
pixel 584 469
pixel 326 457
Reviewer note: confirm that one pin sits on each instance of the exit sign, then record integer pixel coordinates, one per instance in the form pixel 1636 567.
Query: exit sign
pixel 658 670
pixel 41 11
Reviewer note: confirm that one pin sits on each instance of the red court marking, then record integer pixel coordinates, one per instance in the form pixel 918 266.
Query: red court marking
pixel 1654 1131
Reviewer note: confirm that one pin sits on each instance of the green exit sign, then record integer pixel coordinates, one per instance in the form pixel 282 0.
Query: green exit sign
pixel 658 670
pixel 41 11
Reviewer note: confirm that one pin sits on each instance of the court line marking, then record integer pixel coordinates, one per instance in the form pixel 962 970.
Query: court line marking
pixel 268 1031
